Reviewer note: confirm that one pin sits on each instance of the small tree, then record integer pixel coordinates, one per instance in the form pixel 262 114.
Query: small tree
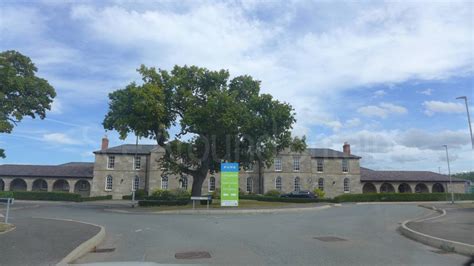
pixel 219 119
pixel 22 93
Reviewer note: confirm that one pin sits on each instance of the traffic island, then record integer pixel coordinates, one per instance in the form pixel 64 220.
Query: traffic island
pixel 5 228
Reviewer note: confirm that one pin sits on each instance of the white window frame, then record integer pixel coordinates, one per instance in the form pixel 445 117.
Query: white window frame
pixel 109 182
pixel 345 165
pixel 320 165
pixel 164 182
pixel 347 185
pixel 212 184
pixel 296 163
pixel 183 183
pixel 136 183
pixel 137 162
pixel 278 183
pixel 297 184
pixel 249 184
pixel 321 184
pixel 278 164
pixel 111 160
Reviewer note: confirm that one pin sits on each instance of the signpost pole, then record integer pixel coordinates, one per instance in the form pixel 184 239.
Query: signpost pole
pixel 8 210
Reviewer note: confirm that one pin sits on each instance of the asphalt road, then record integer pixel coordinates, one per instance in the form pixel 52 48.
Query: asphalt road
pixel 368 232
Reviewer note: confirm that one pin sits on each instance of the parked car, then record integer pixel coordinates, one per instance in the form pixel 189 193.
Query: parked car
pixel 300 194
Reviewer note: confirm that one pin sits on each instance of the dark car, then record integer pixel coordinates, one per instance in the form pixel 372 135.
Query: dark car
pixel 299 194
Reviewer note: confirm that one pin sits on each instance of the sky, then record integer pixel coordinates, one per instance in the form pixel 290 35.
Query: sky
pixel 383 76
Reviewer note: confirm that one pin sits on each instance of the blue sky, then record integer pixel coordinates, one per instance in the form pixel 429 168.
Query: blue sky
pixel 381 75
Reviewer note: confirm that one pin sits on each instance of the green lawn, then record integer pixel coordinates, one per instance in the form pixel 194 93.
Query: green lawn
pixel 244 204
pixel 5 227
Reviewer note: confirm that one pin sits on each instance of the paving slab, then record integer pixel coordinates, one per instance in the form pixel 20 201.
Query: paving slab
pixel 38 241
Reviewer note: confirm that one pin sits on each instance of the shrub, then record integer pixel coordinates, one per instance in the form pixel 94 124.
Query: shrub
pixel 216 194
pixel 163 194
pixel 273 193
pixel 40 195
pixel 181 194
pixel 108 197
pixel 319 193
pixel 139 194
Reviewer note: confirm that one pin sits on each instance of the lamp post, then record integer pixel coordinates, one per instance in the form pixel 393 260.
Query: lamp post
pixel 449 174
pixel 468 118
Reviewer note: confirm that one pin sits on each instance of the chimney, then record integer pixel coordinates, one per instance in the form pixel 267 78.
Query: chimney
pixel 105 143
pixel 346 148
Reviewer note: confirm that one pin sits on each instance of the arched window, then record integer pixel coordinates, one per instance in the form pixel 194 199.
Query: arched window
pixel 164 182
pixel 278 183
pixel 108 183
pixel 183 183
pixel 212 183
pixel 249 184
pixel 136 183
pixel 297 184
pixel 347 185
pixel 321 184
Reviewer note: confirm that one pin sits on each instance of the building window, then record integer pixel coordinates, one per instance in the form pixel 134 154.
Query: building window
pixel 212 183
pixel 136 183
pixel 296 163
pixel 137 163
pixel 347 186
pixel 278 164
pixel 297 184
pixel 249 184
pixel 345 165
pixel 320 165
pixel 164 182
pixel 278 183
pixel 111 162
pixel 183 183
pixel 108 183
pixel 321 184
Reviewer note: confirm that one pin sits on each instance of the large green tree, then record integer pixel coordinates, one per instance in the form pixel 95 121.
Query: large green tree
pixel 22 93
pixel 219 119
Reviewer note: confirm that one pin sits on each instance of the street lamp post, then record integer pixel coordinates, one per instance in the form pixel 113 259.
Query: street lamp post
pixel 449 174
pixel 468 118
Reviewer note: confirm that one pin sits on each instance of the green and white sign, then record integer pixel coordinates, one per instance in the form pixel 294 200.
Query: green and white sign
pixel 229 184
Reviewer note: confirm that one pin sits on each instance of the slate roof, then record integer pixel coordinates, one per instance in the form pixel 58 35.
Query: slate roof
pixel 128 149
pixel 329 153
pixel 68 170
pixel 368 175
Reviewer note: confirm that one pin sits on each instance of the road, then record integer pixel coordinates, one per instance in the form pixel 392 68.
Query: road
pixel 368 232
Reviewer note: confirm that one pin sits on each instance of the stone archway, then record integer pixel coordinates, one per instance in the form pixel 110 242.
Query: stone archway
pixel 437 188
pixel 2 185
pixel 404 188
pixel 83 188
pixel 40 185
pixel 61 185
pixel 421 188
pixel 387 188
pixel 369 188
pixel 18 185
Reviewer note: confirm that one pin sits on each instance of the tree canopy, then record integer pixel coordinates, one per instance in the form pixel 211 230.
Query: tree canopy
pixel 22 93
pixel 219 119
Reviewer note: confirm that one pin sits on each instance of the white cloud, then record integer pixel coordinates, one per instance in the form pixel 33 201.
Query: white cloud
pixel 56 107
pixel 354 122
pixel 383 110
pixel 426 92
pixel 432 107
pixel 379 93
pixel 59 138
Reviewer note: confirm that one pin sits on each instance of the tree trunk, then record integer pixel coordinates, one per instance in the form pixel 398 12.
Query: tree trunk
pixel 198 180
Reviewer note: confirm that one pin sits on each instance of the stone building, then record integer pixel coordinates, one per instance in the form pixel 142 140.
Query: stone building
pixel 118 170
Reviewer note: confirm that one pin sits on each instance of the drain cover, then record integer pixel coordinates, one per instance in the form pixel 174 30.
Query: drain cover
pixel 103 250
pixel 329 238
pixel 193 255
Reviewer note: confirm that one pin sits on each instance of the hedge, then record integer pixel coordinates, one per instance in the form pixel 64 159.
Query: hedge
pixel 52 196
pixel 39 195
pixel 149 202
pixel 373 197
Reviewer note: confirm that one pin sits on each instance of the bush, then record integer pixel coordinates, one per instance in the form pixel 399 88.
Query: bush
pixel 273 193
pixel 181 194
pixel 139 194
pixel 40 195
pixel 371 197
pixel 161 194
pixel 216 194
pixel 150 202
pixel 319 193
pixel 108 197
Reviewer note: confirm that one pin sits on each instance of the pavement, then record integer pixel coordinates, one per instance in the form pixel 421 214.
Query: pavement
pixel 37 241
pixel 364 234
pixel 456 225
